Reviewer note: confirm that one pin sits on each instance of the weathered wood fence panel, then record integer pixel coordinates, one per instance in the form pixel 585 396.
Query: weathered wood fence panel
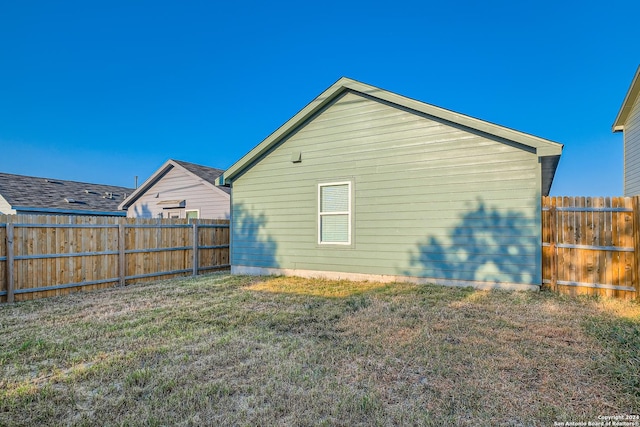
pixel 590 245
pixel 42 256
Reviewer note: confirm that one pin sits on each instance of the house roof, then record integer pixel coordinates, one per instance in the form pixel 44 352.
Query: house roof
pixel 627 104
pixel 547 150
pixel 47 195
pixel 205 174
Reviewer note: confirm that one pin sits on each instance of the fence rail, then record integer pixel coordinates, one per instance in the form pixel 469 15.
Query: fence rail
pixel 42 256
pixel 591 245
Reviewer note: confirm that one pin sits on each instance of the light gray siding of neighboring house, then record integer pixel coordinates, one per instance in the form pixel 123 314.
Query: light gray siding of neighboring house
pixel 5 207
pixel 430 199
pixel 176 184
pixel 632 151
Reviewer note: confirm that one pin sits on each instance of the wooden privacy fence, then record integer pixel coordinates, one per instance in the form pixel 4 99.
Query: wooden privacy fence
pixel 591 245
pixel 42 256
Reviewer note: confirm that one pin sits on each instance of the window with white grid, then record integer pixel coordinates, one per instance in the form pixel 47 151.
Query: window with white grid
pixel 334 213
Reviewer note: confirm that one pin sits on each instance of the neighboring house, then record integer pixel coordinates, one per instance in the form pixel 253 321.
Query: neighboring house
pixel 21 194
pixel 366 184
pixel 628 122
pixel 179 190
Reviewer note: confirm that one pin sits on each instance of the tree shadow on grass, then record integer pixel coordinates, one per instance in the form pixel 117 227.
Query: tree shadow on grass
pixel 485 245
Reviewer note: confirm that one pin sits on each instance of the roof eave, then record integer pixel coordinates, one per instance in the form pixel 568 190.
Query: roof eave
pixel 198 178
pixel 69 211
pixel 309 110
pixel 148 183
pixel 627 104
pixel 544 147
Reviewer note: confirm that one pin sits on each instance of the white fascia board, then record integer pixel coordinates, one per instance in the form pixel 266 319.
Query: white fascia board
pixel 627 104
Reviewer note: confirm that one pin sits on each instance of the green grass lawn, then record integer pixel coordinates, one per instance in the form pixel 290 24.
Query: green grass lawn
pixel 225 350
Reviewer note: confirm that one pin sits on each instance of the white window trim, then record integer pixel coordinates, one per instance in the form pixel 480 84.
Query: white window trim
pixel 179 211
pixel 321 214
pixel 197 211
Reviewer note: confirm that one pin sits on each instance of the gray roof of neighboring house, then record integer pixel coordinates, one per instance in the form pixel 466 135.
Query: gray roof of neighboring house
pixel 22 191
pixel 204 172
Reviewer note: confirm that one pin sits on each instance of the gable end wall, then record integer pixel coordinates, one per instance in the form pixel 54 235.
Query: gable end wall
pixel 430 200
pixel 178 185
pixel 5 207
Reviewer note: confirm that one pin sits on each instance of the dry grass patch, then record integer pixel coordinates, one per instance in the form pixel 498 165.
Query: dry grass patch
pixel 224 350
pixel 316 287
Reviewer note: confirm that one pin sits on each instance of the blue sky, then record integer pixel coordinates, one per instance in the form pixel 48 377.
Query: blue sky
pixel 102 91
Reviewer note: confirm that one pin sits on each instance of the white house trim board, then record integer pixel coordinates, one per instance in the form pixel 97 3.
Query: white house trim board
pixel 627 104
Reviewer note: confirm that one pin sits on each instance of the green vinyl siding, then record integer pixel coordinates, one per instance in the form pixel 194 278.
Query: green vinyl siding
pixel 430 198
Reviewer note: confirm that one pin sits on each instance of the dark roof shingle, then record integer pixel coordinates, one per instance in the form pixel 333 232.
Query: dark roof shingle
pixel 204 172
pixel 47 193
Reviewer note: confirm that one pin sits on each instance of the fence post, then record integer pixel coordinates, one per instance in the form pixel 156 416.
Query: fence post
pixel 195 248
pixel 121 254
pixel 10 261
pixel 553 239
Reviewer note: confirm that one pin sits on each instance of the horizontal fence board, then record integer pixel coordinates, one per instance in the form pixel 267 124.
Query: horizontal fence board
pixel 215 267
pixel 590 247
pixel 55 255
pixel 580 209
pixel 175 248
pixel 29 225
pixel 593 285
pixel 64 255
pixel 67 285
